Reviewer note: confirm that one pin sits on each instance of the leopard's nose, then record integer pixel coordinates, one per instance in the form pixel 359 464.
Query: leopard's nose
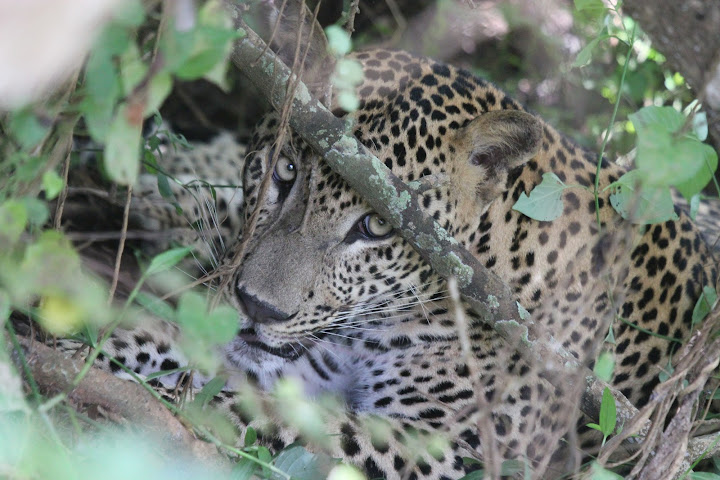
pixel 258 310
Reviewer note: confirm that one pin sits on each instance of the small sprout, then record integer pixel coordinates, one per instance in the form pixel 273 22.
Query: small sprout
pixel 608 415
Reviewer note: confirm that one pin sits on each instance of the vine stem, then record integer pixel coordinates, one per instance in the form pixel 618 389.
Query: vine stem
pixel 596 191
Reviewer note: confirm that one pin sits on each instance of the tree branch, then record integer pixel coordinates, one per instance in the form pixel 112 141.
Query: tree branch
pixel 54 373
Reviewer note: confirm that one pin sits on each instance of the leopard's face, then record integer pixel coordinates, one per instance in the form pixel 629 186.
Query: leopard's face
pixel 322 268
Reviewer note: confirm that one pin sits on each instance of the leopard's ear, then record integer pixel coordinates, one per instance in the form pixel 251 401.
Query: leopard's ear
pixel 493 144
pixel 290 28
pixel 503 139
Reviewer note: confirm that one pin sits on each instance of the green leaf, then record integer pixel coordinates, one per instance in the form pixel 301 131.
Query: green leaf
pixel 209 391
pixel 704 305
pixel 209 48
pixel 641 204
pixel 122 151
pixel 303 465
pixel 243 469
pixel 608 413
pixel 250 436
pixel 264 454
pixel 700 125
pixel 155 305
pixel 102 82
pixel 37 211
pixel 52 184
pixel 159 89
pixel 704 476
pixel 131 14
pixel 698 182
pixel 164 186
pixel 216 327
pixel 224 324
pixel 604 366
pixel 585 55
pixel 13 218
pixel 348 101
pixel 132 68
pixel 600 473
pixel 593 5
pixel 27 129
pixel 694 205
pixel 545 200
pixel 166 260
pixel 659 147
pixel 339 42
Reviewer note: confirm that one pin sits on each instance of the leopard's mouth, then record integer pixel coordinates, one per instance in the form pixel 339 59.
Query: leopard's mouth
pixel 288 351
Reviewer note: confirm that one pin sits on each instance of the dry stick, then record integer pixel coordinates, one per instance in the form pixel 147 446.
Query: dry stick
pixel 121 246
pixel 353 10
pixel 63 193
pixel 485 426
pixel 487 294
pixel 55 373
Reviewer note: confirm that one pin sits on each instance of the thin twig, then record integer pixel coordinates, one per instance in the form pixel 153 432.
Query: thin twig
pixel 121 246
pixel 353 10
pixel 63 193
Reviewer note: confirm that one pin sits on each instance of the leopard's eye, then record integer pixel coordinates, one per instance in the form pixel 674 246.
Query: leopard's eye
pixel 285 170
pixel 374 226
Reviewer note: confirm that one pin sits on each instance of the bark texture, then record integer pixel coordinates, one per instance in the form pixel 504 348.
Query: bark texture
pixel 688 34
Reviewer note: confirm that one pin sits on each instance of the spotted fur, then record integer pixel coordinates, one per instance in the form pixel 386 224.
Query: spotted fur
pixel 363 317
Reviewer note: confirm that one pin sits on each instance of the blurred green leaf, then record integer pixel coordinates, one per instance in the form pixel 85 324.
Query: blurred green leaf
pixel 604 366
pixel 600 473
pixel 159 89
pixel 303 465
pixel 52 184
pixel 704 476
pixel 243 469
pixel 155 305
pixel 26 128
pixel 102 82
pixel 700 125
pixel 209 48
pixel 694 205
pixel 704 304
pixel 250 436
pixel 14 219
pixel 122 150
pixel 641 204
pixel 585 55
pixel 659 146
pixel 339 42
pixel 209 391
pixel 166 260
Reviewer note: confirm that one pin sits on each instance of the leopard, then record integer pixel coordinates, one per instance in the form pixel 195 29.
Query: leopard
pixel 330 295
